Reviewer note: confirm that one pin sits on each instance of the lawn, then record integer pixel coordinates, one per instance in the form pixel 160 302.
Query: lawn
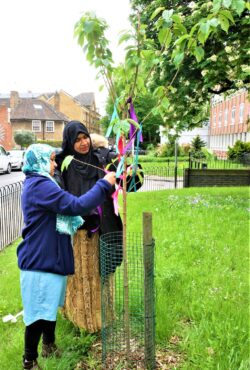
pixel 202 283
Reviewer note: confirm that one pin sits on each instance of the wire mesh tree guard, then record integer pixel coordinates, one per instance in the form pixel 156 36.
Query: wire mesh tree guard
pixel 128 339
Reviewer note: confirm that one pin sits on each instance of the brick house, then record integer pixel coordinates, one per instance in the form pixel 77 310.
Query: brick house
pixel 229 121
pixel 5 128
pixel 33 114
pixel 81 107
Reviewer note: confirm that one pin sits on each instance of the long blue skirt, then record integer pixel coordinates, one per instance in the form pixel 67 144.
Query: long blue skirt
pixel 42 294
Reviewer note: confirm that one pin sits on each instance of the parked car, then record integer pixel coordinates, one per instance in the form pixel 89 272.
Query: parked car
pixel 5 163
pixel 16 158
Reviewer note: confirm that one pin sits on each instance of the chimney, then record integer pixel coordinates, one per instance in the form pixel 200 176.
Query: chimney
pixel 14 99
pixel 57 101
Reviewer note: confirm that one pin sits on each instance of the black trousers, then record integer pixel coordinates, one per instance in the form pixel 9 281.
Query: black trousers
pixel 33 335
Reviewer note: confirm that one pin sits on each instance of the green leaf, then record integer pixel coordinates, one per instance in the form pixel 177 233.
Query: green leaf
pixel 193 29
pixel 136 124
pixel 199 53
pixel 66 162
pixel 181 39
pixel 165 37
pixel 165 103
pixel 147 54
pixel 156 12
pixel 226 3
pixel 213 22
pixel 223 22
pixel 178 58
pixel 88 26
pixel 176 18
pixel 124 37
pixel 227 14
pixel 216 5
pixel 179 29
pixel 155 111
pixel 167 16
pixel 159 92
pixel 238 5
pixel 121 126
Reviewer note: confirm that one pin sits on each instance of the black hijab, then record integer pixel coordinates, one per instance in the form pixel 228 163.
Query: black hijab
pixel 70 133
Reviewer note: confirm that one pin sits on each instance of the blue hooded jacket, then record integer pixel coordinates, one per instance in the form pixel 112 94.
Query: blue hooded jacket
pixel 43 248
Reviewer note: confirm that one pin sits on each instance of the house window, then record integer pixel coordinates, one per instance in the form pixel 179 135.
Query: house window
pixel 49 126
pixel 220 117
pixel 225 117
pixel 214 119
pixel 241 112
pixel 36 125
pixel 233 115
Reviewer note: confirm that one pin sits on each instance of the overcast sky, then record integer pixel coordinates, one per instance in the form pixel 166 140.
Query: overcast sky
pixel 38 51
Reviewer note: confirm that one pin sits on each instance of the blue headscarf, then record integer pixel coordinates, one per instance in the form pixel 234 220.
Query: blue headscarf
pixel 37 160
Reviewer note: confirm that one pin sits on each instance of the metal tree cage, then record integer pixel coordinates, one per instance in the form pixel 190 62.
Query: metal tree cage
pixel 141 302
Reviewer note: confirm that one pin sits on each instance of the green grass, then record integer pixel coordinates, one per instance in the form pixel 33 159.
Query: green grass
pixel 202 286
pixel 74 342
pixel 202 267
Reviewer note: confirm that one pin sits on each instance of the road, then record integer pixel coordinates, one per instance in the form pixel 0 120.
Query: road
pixel 14 176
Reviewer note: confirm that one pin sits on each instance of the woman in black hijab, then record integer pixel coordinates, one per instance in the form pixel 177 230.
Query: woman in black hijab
pixel 83 306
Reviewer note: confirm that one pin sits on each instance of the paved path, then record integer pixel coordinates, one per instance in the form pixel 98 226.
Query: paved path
pixel 153 183
pixel 14 176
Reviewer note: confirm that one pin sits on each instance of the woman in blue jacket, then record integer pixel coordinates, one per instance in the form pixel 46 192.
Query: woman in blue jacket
pixel 45 255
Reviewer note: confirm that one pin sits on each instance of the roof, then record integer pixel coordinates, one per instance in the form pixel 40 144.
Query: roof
pixel 86 99
pixel 36 109
pixel 5 98
pixel 47 95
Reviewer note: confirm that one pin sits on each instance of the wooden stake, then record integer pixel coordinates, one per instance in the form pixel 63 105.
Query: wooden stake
pixel 148 259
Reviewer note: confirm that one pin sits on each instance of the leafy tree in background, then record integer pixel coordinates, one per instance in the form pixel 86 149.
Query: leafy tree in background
pixel 216 33
pixel 144 104
pixel 24 138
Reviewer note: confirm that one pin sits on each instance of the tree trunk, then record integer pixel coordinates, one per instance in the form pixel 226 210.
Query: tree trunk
pixel 83 296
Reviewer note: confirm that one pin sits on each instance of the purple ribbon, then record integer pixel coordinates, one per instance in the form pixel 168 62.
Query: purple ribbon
pixel 133 116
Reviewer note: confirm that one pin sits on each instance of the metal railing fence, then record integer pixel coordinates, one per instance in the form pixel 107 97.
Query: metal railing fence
pixel 11 219
pixel 203 163
pixel 162 178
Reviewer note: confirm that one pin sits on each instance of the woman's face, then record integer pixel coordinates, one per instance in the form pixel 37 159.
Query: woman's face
pixel 53 164
pixel 82 144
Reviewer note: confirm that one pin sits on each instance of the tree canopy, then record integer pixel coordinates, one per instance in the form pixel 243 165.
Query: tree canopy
pixel 221 50
pixel 178 54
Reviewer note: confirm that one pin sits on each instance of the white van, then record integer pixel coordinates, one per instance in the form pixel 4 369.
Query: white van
pixel 5 164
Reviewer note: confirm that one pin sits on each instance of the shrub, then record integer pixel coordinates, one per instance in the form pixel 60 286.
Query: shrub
pixel 238 150
pixel 24 138
pixel 185 149
pixel 54 143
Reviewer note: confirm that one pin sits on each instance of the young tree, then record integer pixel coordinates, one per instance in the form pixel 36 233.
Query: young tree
pixel 197 143
pixel 163 42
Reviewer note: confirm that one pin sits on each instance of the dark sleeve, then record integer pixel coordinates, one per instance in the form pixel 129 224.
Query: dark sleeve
pixel 48 195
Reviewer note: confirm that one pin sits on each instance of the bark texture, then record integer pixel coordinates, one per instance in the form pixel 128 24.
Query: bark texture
pixel 83 296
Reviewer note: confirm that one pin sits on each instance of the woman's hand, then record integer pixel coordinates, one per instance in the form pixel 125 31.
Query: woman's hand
pixel 110 177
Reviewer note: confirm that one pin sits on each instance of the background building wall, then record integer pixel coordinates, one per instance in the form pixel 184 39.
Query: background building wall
pixel 229 118
pixel 5 128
